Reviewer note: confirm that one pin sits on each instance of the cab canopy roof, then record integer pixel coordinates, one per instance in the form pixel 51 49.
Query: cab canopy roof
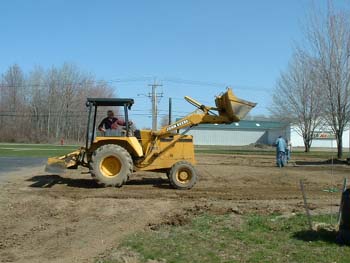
pixel 110 102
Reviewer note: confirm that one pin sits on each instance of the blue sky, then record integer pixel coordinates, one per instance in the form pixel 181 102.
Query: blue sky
pixel 244 44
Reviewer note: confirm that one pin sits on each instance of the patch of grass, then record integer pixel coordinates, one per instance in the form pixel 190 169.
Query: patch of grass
pixel 313 154
pixel 34 150
pixel 48 150
pixel 213 238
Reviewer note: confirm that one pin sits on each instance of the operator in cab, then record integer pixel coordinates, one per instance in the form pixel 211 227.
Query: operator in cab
pixel 111 123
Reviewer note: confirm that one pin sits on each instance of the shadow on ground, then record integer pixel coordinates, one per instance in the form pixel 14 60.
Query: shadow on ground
pixel 157 182
pixel 326 162
pixel 48 181
pixel 324 235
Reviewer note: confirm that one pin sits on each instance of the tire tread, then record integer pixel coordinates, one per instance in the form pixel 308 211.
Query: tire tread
pixel 113 148
pixel 173 171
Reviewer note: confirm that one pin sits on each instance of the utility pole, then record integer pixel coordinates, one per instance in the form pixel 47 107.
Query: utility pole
pixel 154 98
pixel 170 111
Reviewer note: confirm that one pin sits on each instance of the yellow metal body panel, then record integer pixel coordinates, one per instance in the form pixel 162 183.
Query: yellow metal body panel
pixel 131 144
pixel 168 151
pixel 146 138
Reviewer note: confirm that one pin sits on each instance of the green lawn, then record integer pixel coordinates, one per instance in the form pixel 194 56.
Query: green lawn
pixel 48 150
pixel 269 151
pixel 253 238
pixel 34 150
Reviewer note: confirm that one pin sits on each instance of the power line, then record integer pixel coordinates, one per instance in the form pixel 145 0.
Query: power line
pixel 136 79
pixel 212 84
pixel 80 83
pixel 194 82
pixel 72 115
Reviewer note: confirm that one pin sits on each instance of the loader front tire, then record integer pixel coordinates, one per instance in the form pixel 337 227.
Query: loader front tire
pixel 182 175
pixel 111 165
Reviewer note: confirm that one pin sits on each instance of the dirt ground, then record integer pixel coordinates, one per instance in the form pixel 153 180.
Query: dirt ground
pixel 68 218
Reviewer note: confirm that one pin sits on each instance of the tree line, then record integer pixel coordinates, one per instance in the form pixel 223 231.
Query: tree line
pixel 47 105
pixel 314 91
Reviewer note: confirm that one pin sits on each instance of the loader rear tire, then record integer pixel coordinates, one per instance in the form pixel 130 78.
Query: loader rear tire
pixel 111 165
pixel 182 175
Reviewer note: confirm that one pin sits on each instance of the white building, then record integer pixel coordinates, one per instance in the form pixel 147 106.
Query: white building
pixel 324 138
pixel 264 132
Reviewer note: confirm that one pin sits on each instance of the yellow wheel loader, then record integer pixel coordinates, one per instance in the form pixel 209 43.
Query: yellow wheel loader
pixel 112 159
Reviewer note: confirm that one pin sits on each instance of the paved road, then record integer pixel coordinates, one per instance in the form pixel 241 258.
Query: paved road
pixel 11 164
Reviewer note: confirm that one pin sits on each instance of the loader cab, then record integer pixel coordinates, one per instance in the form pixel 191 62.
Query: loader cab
pixel 124 105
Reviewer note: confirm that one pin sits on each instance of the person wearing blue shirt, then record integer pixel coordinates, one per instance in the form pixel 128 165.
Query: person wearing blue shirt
pixel 281 147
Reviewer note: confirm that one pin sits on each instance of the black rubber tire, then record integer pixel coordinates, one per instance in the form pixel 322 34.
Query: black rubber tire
pixel 111 150
pixel 182 166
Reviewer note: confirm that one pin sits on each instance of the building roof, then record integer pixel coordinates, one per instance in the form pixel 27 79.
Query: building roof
pixel 244 124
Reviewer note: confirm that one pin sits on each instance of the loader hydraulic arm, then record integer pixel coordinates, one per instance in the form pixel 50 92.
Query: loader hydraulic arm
pixel 228 109
pixel 190 120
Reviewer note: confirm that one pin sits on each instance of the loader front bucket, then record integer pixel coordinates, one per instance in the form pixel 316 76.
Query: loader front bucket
pixel 58 165
pixel 231 107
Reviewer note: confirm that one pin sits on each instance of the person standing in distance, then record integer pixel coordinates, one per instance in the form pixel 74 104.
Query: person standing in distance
pixel 281 146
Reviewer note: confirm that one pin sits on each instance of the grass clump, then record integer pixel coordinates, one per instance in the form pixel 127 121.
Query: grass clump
pixel 227 238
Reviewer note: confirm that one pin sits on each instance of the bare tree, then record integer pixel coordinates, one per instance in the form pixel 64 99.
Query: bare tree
pixel 13 101
pixel 37 96
pixel 329 39
pixel 296 98
pixel 48 104
pixel 13 79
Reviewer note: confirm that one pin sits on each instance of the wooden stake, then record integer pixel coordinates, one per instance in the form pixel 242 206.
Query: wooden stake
pixel 341 199
pixel 305 204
